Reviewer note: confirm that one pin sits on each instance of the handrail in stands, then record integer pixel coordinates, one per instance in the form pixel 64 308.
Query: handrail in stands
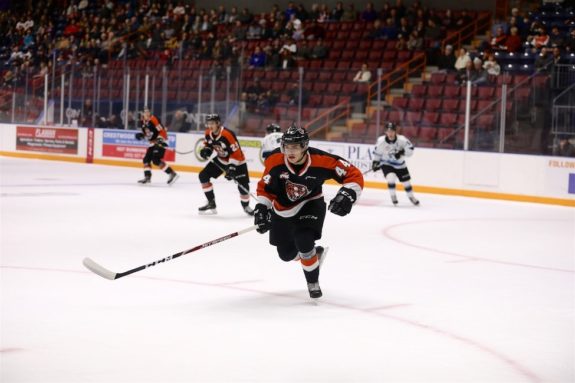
pixel 341 110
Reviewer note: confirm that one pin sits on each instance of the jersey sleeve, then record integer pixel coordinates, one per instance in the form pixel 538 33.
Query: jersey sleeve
pixel 266 186
pixel 235 151
pixel 378 150
pixel 343 172
pixel 407 147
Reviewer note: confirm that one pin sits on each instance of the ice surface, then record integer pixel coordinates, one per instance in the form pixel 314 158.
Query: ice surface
pixel 455 290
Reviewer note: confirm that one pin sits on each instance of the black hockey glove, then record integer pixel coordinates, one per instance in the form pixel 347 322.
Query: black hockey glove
pixel 375 166
pixel 262 218
pixel 231 172
pixel 161 142
pixel 140 136
pixel 343 201
pixel 399 153
pixel 206 152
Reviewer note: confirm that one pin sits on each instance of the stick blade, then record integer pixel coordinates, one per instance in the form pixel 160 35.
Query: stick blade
pixel 97 269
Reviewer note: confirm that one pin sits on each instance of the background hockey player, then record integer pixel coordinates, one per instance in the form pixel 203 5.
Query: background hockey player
pixel 229 159
pixel 157 136
pixel 389 156
pixel 290 200
pixel 272 140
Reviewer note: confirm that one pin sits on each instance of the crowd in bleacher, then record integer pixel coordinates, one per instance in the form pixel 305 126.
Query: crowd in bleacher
pixel 90 33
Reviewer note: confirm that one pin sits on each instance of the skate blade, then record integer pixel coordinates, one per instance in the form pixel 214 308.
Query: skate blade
pixel 174 180
pixel 208 212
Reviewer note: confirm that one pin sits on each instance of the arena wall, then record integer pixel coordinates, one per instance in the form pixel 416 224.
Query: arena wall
pixel 540 179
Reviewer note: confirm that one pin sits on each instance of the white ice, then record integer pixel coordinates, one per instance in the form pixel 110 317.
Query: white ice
pixel 455 290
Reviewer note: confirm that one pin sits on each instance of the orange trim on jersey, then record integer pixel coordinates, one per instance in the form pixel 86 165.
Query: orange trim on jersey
pixel 159 127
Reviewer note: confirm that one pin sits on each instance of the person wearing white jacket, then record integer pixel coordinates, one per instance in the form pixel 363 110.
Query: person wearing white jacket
pixel 389 155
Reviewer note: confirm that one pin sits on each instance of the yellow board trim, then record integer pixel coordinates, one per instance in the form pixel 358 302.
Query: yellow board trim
pixel 370 184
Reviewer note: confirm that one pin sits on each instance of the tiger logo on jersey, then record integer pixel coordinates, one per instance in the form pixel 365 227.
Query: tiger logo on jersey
pixel 295 191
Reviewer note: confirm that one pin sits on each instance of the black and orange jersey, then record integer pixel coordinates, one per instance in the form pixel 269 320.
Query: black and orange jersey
pixel 226 146
pixel 287 188
pixel 154 128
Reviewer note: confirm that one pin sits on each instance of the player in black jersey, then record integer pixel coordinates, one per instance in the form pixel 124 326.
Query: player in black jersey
pixel 291 204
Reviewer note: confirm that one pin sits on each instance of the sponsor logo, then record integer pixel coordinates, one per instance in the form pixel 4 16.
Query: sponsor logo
pixel 309 216
pixel 45 133
pixel 284 176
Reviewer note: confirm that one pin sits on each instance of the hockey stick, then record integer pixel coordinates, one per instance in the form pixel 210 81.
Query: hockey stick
pixel 191 151
pixel 105 273
pixel 237 183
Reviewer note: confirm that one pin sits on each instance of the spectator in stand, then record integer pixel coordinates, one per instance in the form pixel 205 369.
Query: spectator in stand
pixel 389 31
pixel 369 14
pixel 463 60
pixel 298 30
pixel 337 12
pixel 286 60
pixel 404 28
pixel 401 43
pixel 466 74
pixel 463 20
pixel 239 32
pixel 433 33
pixel 498 41
pixel 350 14
pixel 513 42
pixel 293 94
pixel 415 42
pixel 543 60
pixel 258 58
pixel 564 148
pixel 479 76
pixel 363 75
pixel 254 31
pixel 290 11
pixel 319 51
pixel 556 38
pixel 491 65
pixel 179 122
pixel 246 17
pixel 289 46
pixel 303 51
pixel 570 41
pixel 314 31
pixel 446 61
pixel 539 39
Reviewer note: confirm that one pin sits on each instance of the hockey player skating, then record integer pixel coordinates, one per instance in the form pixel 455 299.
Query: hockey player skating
pixel 229 158
pixel 290 200
pixel 272 140
pixel 389 156
pixel 156 135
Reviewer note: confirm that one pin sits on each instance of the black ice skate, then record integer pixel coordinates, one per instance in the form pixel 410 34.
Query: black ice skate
pixel 173 178
pixel 394 200
pixel 314 290
pixel 414 200
pixel 145 180
pixel 209 208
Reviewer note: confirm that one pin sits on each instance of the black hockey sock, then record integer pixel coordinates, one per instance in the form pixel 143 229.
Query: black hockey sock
pixel 210 195
pixel 310 265
pixel 169 170
pixel 148 173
